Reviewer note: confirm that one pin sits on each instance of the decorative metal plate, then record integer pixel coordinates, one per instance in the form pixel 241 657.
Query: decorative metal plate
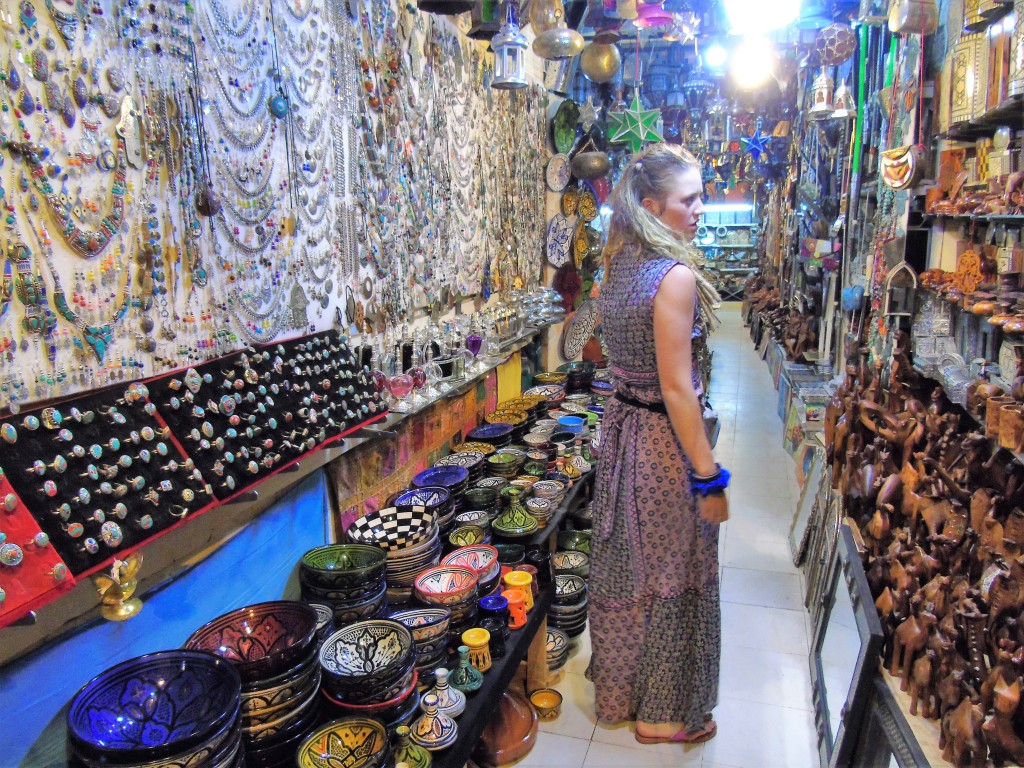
pixel 558 172
pixel 578 330
pixel 564 125
pixel 560 232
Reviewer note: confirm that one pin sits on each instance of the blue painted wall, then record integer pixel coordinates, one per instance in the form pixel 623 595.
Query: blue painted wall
pixel 256 565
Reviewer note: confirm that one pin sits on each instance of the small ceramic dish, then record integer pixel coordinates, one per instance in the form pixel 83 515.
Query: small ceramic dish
pixel 446 584
pixel 352 741
pixel 425 623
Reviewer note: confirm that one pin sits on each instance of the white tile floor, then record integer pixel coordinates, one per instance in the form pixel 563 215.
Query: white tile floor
pixel 764 714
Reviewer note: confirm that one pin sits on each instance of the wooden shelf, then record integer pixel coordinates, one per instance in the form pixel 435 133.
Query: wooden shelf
pixel 1010 113
pixel 925 731
pixel 1007 218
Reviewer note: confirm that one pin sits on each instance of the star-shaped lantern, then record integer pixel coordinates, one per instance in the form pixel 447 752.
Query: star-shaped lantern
pixel 588 114
pixel 635 125
pixel 755 145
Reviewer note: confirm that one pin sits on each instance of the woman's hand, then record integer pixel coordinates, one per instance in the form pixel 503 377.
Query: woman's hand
pixel 714 508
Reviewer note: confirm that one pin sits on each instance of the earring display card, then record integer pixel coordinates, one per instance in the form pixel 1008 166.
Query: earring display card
pixel 247 415
pixel 99 474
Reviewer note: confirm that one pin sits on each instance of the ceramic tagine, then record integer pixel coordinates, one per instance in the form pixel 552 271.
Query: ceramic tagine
pixel 450 701
pixel 466 678
pixel 433 730
pixel 516 520
pixel 411 754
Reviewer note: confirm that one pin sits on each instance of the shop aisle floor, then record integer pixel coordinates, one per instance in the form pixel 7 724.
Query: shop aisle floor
pixel 765 718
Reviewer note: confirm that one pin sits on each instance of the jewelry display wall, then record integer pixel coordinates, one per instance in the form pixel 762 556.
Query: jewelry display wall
pixel 185 179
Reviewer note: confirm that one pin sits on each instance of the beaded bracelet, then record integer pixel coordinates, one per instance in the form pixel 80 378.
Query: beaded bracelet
pixel 709 486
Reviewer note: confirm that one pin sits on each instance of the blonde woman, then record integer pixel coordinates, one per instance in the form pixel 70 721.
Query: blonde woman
pixel 659 496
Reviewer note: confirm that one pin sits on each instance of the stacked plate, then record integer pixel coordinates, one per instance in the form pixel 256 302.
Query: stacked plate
pixel 483 498
pixel 569 610
pixel 454 587
pixel 354 742
pixel 472 461
pixel 166 708
pixel 482 559
pixel 541 509
pixel 436 500
pixel 410 541
pixel 557 648
pixel 505 463
pixel 498 435
pixel 429 627
pixel 455 480
pixel 273 647
pixel 369 667
pixel 485 448
pixel 347 577
pixel 552 490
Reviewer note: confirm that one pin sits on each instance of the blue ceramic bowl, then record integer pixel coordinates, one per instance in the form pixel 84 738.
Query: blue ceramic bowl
pixel 490 433
pixel 153 706
pixel 445 477
pixel 572 424
pixel 433 497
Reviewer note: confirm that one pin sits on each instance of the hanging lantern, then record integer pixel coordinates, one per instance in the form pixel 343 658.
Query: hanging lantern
pixel 843 102
pixel 558 76
pixel 599 62
pixel 509 53
pixel 835 44
pixel 900 288
pixel 821 96
pixel 696 89
pixel 545 15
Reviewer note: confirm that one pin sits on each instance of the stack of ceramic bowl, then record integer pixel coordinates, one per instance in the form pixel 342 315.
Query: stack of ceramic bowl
pixel 480 518
pixel 485 448
pixel 550 377
pixel 171 708
pixel 575 540
pixel 410 541
pixel 517 419
pixel 498 435
pixel 369 669
pixel 569 610
pixel 571 563
pixel 601 389
pixel 557 648
pixel 436 500
pixel 540 509
pixel 454 587
pixel 581 376
pixel 347 577
pixel 553 394
pixel 552 490
pixel 429 627
pixel 468 534
pixel 472 461
pixel 511 555
pixel 273 647
pixel 352 742
pixel 484 499
pixel 455 480
pixel 483 560
pixel 505 463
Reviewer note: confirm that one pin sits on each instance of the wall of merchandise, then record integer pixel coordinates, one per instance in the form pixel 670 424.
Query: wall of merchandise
pixel 183 179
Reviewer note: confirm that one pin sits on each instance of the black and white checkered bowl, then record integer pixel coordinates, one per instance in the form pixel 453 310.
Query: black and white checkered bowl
pixel 393 529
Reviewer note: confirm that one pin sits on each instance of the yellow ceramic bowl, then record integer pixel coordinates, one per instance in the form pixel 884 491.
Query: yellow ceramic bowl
pixel 476 637
pixel 547 702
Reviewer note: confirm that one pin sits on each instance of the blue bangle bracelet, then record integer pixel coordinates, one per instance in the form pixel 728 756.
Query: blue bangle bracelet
pixel 710 486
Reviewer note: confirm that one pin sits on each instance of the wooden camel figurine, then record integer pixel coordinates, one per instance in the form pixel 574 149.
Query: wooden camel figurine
pixel 962 739
pixel 910 637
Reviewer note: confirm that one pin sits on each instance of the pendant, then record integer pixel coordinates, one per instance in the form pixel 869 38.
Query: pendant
pixel 110 105
pixel 80 93
pixel 115 77
pixel 54 98
pixel 13 78
pixel 128 129
pixel 40 66
pixel 27 104
pixel 279 105
pixel 66 24
pixel 67 113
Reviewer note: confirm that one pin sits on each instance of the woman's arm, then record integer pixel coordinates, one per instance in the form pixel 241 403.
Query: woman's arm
pixel 673 329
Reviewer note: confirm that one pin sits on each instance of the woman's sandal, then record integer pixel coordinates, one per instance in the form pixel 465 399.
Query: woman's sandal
pixel 692 736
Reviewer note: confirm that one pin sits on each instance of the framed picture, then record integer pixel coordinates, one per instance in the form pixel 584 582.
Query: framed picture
pixel 799 530
pixel 844 654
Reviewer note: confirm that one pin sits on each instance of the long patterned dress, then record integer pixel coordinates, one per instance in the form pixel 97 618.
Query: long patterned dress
pixel 655 617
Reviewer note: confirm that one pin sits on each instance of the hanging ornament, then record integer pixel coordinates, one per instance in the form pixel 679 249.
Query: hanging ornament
pixel 278 105
pixel 696 89
pixel 66 23
pixel 635 125
pixel 821 96
pixel 755 145
pixel 509 47
pixel 844 103
pixel 600 62
pixel 588 113
pixel 835 44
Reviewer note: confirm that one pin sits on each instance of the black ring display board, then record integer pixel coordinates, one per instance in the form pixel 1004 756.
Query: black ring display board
pixel 242 417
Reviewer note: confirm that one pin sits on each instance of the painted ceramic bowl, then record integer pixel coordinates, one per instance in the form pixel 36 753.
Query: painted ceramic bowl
pixel 539 508
pixel 371 608
pixel 478 517
pixel 569 589
pixel 481 558
pixel 572 563
pixel 446 585
pixel 493 483
pixel 467 535
pixel 392 528
pixel 577 540
pixel 289 690
pixel 341 566
pixel 345 596
pixel 367 655
pixel 425 623
pixel 485 448
pixel 495 434
pixel 435 499
pixel 548 489
pixel 445 477
pixel 470 460
pixel 481 498
pixel 261 640
pixel 291 720
pixel 515 418
pixel 549 377
pixel 352 742
pixel 380 710
pixel 261 710
pixel 511 555
pixel 153 706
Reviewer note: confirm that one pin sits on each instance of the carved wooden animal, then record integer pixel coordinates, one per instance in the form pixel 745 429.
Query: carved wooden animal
pixel 910 637
pixel 1004 745
pixel 949 689
pixel 935 515
pixel 934 592
pixel 981 507
pixel 962 740
pixel 878 528
pixel 921 688
pixel 1006 593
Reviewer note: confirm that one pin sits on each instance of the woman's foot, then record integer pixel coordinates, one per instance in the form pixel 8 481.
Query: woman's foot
pixel 661 733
